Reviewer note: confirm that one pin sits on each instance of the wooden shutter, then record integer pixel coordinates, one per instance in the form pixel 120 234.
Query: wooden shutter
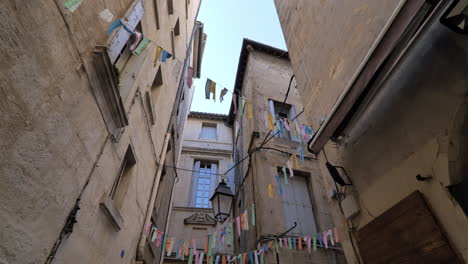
pixel 119 39
pixel 272 112
pixel 405 233
pixel 193 187
pixel 214 180
pixel 292 114
pixel 297 207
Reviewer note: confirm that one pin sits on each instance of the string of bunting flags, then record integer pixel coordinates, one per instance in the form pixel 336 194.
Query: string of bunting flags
pixel 187 248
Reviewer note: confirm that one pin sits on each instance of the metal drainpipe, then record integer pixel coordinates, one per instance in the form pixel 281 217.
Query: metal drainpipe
pixel 154 192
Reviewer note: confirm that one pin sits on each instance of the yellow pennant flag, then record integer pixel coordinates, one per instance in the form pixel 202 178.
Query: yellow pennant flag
pixel 294 161
pixel 157 55
pixel 271 124
pixel 293 128
pixel 270 191
pixel 249 111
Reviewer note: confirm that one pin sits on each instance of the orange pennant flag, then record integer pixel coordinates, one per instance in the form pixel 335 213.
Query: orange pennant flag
pixel 300 242
pixel 168 243
pixel 223 260
pixel 244 258
pixel 206 244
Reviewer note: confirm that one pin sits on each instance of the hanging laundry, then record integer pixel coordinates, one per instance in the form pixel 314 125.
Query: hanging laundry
pixel 190 259
pixel 330 234
pixel 246 215
pixel 137 37
pixel 249 110
pixel 189 77
pixel 222 94
pixel 229 234
pixel 242 217
pixel 142 46
pixel 165 55
pixel 116 24
pixel 291 172
pixel 238 225
pixel 213 90
pixel 285 176
pixel 324 239
pixel 270 191
pixel 234 101
pixel 301 152
pixel 200 260
pixel 241 106
pixel 286 124
pixel 157 55
pixel 271 124
pixel 253 215
pixel 170 243
pixel 278 181
pixel 335 232
pixel 208 88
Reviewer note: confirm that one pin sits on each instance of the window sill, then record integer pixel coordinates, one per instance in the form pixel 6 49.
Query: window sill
pixel 112 212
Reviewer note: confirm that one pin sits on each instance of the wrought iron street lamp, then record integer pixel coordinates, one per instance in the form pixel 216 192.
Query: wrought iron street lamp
pixel 222 202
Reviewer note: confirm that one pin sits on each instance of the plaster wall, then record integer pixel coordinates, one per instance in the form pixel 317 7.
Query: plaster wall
pixel 55 144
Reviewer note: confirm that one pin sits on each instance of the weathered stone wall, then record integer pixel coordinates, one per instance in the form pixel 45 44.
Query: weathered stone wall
pixel 55 144
pixel 414 125
pixel 267 77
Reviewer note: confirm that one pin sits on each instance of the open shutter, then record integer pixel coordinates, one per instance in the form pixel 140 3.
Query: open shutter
pixel 272 112
pixel 193 187
pixel 214 180
pixel 292 114
pixel 119 39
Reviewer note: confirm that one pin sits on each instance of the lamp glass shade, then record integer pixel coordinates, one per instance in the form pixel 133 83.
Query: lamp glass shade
pixel 222 202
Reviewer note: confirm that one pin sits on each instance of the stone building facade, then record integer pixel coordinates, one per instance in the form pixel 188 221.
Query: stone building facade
pixel 87 126
pixel 384 84
pixel 263 77
pixel 206 154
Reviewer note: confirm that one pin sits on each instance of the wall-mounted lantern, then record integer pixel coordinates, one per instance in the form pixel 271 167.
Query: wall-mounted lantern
pixel 222 202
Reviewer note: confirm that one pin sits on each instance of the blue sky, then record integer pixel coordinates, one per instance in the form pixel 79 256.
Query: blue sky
pixel 226 23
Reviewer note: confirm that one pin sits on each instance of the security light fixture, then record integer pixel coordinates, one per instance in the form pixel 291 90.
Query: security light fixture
pixel 456 16
pixel 222 202
pixel 336 175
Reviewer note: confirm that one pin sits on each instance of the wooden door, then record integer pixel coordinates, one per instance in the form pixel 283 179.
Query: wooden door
pixel 406 233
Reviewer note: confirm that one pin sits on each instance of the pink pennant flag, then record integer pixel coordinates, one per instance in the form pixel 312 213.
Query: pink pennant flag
pixel 286 125
pixel 197 258
pixel 238 224
pixel 291 172
pixel 158 241
pixel 324 239
pixel 335 232
pixel 194 246
pixel 308 242
pixel 285 242
pixel 147 229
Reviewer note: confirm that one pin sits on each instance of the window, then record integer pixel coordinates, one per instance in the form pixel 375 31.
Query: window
pixel 204 181
pixel 284 111
pixel 122 182
pixel 177 28
pixel 125 53
pixel 297 206
pixel 208 131
pixel 156 13
pixel 170 7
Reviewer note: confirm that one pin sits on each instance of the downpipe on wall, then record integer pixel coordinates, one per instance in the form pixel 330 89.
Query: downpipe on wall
pixel 154 192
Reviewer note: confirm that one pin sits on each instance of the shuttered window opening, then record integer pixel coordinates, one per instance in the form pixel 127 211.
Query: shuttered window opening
pixel 204 180
pixel 297 207
pixel 208 131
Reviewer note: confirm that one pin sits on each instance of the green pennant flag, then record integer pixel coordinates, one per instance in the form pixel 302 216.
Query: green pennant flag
pixel 289 243
pixel 285 176
pixel 262 260
pixel 141 46
pixel 229 237
pixel 190 256
pixel 210 245
pixel 276 246
pixel 314 237
pixel 253 215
